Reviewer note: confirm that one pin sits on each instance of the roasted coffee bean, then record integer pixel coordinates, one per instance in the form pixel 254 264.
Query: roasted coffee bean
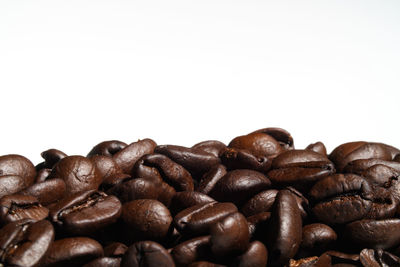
pixel 258 225
pixel 238 186
pixel 51 157
pixel 378 258
pixel 74 251
pixel 42 175
pixel 170 171
pixel 205 264
pixel 46 192
pixel 86 212
pixel 105 166
pixel 147 219
pixel 283 137
pixel 307 262
pixel 376 234
pixel 18 165
pixel 147 253
pixel 24 242
pixel 285 232
pixel 230 235
pixel 104 262
pixel 10 184
pixel 131 189
pixel 211 146
pixel 261 202
pixel 196 161
pixel 192 250
pixel 235 158
pixel 210 178
pixel 361 165
pixel 258 144
pixel 107 148
pixel 348 152
pixel 186 199
pixel 115 249
pixel 255 255
pixel 318 147
pixel 78 173
pixel 343 198
pixel 127 157
pixel 299 168
pixel 199 219
pixel 18 207
pixel 317 237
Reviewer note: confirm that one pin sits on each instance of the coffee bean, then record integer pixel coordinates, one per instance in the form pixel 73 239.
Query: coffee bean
pixel 105 166
pixel 186 199
pixel 46 192
pixel 51 157
pixel 107 148
pixel 317 237
pixel 147 253
pixel 210 178
pixel 211 146
pixel 283 137
pixel 255 255
pixel 235 158
pixel 261 202
pixel 10 184
pixel 318 147
pixel 18 165
pixel 192 250
pixel 259 144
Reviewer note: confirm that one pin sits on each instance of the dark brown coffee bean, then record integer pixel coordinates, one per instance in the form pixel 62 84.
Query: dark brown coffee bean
pixel 376 234
pixel 75 251
pixel 131 189
pixel 10 184
pixel 127 157
pixel 147 219
pixel 300 169
pixel 210 178
pixel 78 173
pixel 186 199
pixel 283 137
pixel 255 255
pixel 317 237
pixel 147 254
pixel 112 181
pixel 86 212
pixel 307 262
pixel 378 258
pixel 170 171
pixel 343 198
pixel 361 165
pixel 105 166
pixel 198 220
pixel 115 249
pixel 235 158
pixel 107 148
pixel 104 262
pixel 46 192
pixel 230 236
pixel 51 157
pixel 211 146
pixel 238 186
pixel 318 147
pixel 204 264
pixel 258 225
pixel 24 243
pixel 196 161
pixel 258 144
pixel 18 165
pixel 192 250
pixel 42 175
pixel 345 153
pixel 285 232
pixel 261 202
pixel 18 207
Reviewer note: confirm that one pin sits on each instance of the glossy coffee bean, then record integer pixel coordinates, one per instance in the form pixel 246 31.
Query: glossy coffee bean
pixel 51 157
pixel 361 165
pixel 379 257
pixel 24 242
pixel 105 166
pixel 42 175
pixel 283 137
pixel 285 232
pixel 255 255
pixel 192 250
pixel 258 144
pixel 196 161
pixel 317 237
pixel 342 198
pixel 147 219
pixel 205 264
pixel 259 225
pixel 107 148
pixel 210 178
pixel 198 220
pixel 10 184
pixel 235 158
pixel 131 189
pixel 230 236
pixel 170 171
pixel 127 157
pixel 261 202
pixel 46 192
pixel 147 253
pixel 18 207
pixel 376 234
pixel 318 147
pixel 78 173
pixel 104 262
pixel 186 199
pixel 18 165
pixel 211 146
pixel 74 251
pixel 86 212
pixel 238 186
pixel 115 249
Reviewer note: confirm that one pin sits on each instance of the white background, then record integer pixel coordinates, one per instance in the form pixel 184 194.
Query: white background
pixel 74 73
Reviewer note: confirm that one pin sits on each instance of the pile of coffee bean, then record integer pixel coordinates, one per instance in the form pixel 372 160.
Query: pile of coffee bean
pixel 257 201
